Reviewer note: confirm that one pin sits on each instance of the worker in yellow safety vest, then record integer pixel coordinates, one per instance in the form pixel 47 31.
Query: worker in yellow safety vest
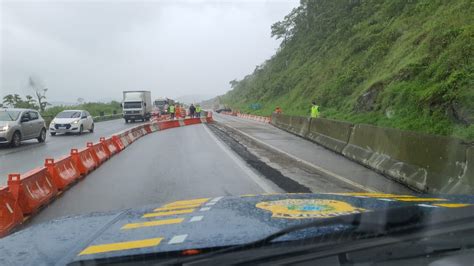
pixel 198 110
pixel 314 110
pixel 172 110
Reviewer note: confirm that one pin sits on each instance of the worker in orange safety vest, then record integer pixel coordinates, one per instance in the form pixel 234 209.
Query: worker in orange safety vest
pixel 178 111
pixel 278 110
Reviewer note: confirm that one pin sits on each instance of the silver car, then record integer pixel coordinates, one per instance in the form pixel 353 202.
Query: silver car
pixel 17 125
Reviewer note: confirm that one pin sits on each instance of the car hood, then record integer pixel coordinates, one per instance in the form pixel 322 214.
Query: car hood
pixel 195 224
pixel 65 120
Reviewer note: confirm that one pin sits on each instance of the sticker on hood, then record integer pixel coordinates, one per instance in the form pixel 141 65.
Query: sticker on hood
pixel 308 208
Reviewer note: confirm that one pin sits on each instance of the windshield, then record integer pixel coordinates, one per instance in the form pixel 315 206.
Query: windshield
pixel 219 123
pixel 69 114
pixel 9 115
pixel 160 103
pixel 131 105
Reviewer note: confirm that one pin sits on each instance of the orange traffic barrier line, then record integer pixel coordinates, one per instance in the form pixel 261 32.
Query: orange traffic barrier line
pixel 29 193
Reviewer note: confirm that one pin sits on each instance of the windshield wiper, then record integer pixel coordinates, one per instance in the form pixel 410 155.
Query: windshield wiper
pixel 367 225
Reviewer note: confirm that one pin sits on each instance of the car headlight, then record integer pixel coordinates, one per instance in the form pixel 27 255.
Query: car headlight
pixel 52 123
pixel 75 122
pixel 4 128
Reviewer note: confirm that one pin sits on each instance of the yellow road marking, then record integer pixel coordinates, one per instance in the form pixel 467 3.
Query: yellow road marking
pixel 419 199
pixel 152 223
pixel 186 202
pixel 157 214
pixel 145 243
pixel 177 207
pixel 373 195
pixel 452 205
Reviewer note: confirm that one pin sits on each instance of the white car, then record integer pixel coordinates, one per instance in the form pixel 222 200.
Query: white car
pixel 71 121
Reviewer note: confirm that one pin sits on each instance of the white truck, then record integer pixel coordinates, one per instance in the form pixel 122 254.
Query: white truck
pixel 136 105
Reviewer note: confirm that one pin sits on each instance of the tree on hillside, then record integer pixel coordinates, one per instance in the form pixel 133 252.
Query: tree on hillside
pixel 9 100
pixel 15 101
pixel 233 83
pixel 286 28
pixel 40 92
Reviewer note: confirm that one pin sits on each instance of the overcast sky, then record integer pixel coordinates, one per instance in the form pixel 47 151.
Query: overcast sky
pixel 94 50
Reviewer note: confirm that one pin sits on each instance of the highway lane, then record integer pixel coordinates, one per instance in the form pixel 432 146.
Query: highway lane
pixel 333 165
pixel 31 154
pixel 174 164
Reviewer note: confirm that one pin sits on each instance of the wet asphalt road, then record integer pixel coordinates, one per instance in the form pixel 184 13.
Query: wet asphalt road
pixel 174 164
pixel 31 154
pixel 314 154
pixel 193 162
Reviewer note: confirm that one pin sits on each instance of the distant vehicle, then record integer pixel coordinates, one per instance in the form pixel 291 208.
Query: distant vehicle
pixel 71 121
pixel 161 103
pixel 223 110
pixel 136 105
pixel 17 125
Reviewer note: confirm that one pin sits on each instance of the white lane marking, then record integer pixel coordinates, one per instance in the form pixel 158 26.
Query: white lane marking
pixel 427 205
pixel 205 209
pixel 177 239
pixel 196 218
pixel 387 199
pixel 215 200
pixel 255 178
pixel 341 178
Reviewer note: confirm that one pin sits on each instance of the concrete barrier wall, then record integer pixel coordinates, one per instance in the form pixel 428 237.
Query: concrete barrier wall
pixel 425 162
pixel 331 134
pixel 297 125
pixel 469 174
pixel 281 121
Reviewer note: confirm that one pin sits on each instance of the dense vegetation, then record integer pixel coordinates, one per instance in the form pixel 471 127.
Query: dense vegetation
pixel 94 108
pixel 406 64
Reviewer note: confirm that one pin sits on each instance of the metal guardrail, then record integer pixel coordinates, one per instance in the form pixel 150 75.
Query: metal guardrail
pixel 107 117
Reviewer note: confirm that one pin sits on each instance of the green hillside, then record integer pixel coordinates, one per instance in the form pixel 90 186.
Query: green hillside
pixel 397 63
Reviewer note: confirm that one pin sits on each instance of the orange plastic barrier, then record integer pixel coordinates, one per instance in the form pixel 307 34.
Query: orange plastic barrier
pixel 35 189
pixel 168 124
pixel 98 153
pixel 109 146
pixel 147 128
pixel 154 127
pixel 125 138
pixel 118 142
pixel 137 133
pixel 10 212
pixel 64 171
pixel 84 160
pixel 132 135
pixel 209 117
pixel 263 119
pixel 192 121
